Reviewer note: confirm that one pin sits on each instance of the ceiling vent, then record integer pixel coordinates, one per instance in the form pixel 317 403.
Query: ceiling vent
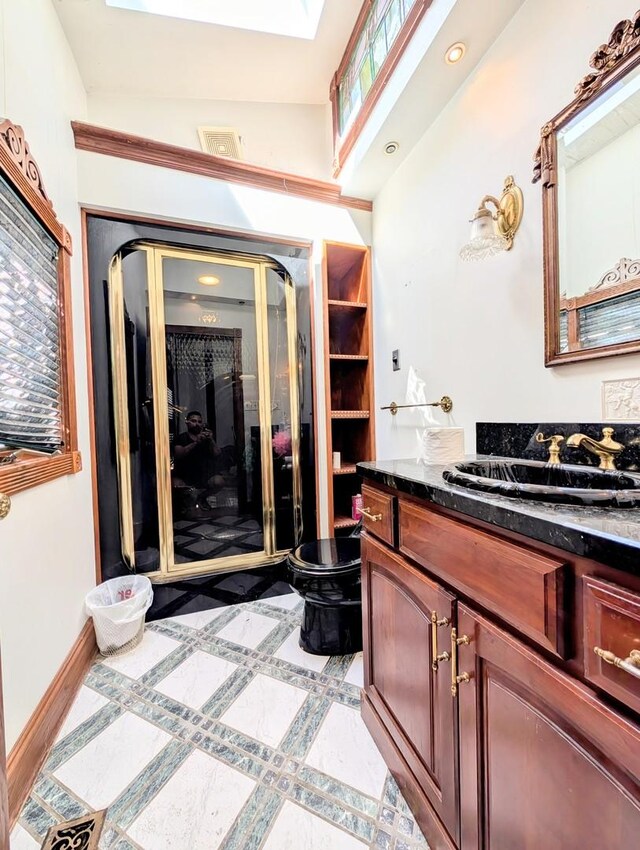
pixel 221 141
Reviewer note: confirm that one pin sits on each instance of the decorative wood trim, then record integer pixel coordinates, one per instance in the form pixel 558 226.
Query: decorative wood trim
pixel 19 167
pixel 625 270
pixel 597 296
pixel 102 140
pixel 610 63
pixel 343 147
pixel 4 792
pixel 29 472
pixel 32 747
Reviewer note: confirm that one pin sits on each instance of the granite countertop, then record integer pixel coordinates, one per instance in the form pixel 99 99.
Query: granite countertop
pixel 608 535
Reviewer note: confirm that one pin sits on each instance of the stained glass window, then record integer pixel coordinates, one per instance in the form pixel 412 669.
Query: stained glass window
pixel 380 31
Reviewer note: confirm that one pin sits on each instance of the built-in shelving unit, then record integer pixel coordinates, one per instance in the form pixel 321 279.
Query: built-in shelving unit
pixel 348 372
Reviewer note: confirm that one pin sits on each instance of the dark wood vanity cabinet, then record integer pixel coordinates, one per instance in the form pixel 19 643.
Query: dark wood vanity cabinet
pixel 400 673
pixel 527 754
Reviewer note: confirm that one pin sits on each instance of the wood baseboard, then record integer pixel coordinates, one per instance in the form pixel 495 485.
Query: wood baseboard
pixel 32 747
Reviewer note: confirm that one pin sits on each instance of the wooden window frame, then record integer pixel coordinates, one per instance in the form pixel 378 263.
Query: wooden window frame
pixel 29 469
pixel 342 147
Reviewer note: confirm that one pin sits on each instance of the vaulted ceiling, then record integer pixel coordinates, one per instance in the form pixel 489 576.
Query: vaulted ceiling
pixel 119 51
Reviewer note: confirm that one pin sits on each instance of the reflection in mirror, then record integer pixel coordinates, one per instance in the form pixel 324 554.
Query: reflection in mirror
pixel 598 200
pixel 589 168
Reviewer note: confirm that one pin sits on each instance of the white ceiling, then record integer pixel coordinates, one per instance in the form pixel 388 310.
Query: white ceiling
pixel 132 53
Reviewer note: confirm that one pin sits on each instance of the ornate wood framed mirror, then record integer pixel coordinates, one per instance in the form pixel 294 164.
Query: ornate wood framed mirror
pixel 589 167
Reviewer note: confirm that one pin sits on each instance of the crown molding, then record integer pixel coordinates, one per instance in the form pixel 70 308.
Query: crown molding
pixel 89 137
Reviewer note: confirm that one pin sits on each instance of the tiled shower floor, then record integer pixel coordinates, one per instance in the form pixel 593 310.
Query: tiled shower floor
pixel 219 732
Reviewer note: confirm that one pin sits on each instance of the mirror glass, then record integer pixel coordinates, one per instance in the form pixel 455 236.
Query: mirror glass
pixel 598 186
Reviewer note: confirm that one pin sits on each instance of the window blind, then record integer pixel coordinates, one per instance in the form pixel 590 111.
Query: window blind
pixel 30 379
pixel 609 322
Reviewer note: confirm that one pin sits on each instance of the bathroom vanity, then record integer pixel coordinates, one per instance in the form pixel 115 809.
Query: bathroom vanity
pixel 502 726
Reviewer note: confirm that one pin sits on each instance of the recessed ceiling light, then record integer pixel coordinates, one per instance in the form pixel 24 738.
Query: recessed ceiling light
pixel 391 147
pixel 208 280
pixel 455 53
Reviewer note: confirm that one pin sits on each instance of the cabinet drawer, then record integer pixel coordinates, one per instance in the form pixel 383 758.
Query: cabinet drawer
pixel 611 622
pixel 523 587
pixel 380 516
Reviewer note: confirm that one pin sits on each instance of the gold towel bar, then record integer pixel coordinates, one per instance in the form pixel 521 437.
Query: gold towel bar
pixel 445 403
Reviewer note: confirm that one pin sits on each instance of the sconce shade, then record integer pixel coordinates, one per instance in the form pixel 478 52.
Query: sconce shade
pixel 492 233
pixel 485 240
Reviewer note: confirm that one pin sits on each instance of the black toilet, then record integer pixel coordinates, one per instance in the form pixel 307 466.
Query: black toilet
pixel 326 574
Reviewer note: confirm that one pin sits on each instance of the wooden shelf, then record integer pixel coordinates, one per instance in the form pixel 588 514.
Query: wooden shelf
pixel 347 305
pixel 348 365
pixel 350 414
pixel 357 357
pixel 344 522
pixel 345 469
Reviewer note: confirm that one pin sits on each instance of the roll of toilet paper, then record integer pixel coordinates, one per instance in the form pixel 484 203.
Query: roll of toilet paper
pixel 441 445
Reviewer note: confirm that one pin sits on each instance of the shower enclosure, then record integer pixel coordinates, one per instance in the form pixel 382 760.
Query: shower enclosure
pixel 206 377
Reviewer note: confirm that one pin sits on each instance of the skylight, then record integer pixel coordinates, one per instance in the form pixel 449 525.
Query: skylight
pixel 295 18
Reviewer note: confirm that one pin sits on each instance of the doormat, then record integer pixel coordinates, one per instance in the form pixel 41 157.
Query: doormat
pixel 80 834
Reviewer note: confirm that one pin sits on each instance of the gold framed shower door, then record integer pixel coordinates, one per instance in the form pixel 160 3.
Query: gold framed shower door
pixel 155 254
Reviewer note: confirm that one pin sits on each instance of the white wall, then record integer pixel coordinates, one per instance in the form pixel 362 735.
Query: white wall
pixel 285 136
pixel 46 542
pixel 475 331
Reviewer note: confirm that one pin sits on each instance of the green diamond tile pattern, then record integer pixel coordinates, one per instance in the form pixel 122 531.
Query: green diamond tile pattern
pixel 241 769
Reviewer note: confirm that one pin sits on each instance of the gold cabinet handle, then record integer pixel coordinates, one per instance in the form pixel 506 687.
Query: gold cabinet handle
pixel 462 677
pixel 630 665
pixel 5 505
pixel 369 515
pixel 435 625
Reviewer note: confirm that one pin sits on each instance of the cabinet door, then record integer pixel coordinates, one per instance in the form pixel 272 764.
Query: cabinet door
pixel 412 699
pixel 543 762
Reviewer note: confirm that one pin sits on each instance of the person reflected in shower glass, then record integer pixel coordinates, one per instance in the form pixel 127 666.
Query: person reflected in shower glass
pixel 197 464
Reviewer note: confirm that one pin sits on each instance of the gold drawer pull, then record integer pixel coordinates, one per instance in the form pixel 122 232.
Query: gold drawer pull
pixel 373 517
pixel 463 677
pixel 629 665
pixel 5 505
pixel 435 624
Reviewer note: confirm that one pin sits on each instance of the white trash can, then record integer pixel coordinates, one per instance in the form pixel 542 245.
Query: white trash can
pixel 118 608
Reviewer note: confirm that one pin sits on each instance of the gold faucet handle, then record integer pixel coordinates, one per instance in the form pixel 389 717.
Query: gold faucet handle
pixel 554 448
pixel 608 441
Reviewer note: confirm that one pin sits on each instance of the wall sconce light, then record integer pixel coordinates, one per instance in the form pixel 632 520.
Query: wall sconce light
pixel 492 232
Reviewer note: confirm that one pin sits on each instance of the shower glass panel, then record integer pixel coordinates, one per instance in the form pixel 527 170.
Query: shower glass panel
pixel 133 403
pixel 214 415
pixel 285 427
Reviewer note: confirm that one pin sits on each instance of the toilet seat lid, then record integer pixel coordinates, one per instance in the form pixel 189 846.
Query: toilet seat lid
pixel 335 554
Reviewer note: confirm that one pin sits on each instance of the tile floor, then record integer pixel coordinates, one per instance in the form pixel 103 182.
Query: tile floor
pixel 219 732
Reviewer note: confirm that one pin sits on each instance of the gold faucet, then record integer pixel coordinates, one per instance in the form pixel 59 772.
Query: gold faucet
pixel 606 449
pixel 554 448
